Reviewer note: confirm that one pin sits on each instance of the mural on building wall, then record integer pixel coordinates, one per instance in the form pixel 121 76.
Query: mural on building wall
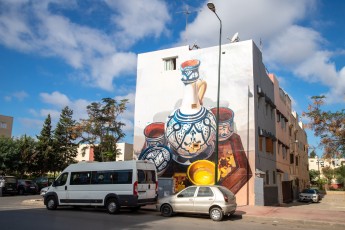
pixel 184 146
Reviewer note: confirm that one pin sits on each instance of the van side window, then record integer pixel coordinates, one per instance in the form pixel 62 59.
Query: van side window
pixel 62 179
pixel 112 177
pixel 80 178
pixel 146 176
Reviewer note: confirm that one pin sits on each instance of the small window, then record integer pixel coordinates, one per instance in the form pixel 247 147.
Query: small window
pixel 291 158
pixel 3 125
pixel 269 145
pixel 170 63
pixel 296 160
pixel 205 192
pixel 267 181
pixel 260 143
pixel 188 192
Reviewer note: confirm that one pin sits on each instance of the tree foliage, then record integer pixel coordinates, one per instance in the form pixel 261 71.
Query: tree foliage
pixel 54 149
pixel 314 175
pixel 102 129
pixel 329 126
pixel 64 138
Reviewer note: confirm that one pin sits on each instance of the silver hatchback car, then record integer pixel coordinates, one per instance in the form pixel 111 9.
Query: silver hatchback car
pixel 214 200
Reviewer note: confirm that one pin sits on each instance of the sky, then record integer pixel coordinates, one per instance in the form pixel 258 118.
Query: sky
pixel 57 53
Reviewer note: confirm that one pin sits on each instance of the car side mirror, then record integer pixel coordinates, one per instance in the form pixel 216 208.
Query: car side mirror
pixel 54 184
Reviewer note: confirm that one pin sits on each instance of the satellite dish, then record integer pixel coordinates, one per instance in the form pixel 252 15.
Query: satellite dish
pixel 235 38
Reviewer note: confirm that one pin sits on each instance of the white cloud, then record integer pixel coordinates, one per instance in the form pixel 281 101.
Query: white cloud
pixel 34 26
pixel 138 19
pixel 287 45
pixel 20 95
pixel 55 98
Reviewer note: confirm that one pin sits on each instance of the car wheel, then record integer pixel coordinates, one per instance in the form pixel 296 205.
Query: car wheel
pixel 51 203
pixel 112 206
pixel 216 214
pixel 166 210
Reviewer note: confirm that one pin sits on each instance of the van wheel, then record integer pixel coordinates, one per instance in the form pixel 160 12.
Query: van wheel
pixel 166 210
pixel 112 206
pixel 51 203
pixel 216 214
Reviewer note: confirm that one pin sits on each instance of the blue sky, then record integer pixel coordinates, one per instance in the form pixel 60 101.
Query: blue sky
pixel 57 53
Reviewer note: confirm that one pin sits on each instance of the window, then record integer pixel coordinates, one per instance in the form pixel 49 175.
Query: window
pixel 205 192
pixel 284 152
pixel 269 145
pixel 260 143
pixel 291 158
pixel 267 181
pixel 296 160
pixel 3 125
pixel 112 177
pixel 80 178
pixel 188 192
pixel 61 180
pixel 170 63
pixel 146 176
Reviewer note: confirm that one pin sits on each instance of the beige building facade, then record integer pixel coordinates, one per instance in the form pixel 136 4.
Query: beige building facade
pixel 6 123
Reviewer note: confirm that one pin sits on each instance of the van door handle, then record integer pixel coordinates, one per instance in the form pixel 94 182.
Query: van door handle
pixel 65 187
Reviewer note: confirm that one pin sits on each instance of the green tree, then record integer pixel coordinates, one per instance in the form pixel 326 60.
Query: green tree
pixel 329 126
pixel 340 174
pixel 312 154
pixel 328 173
pixel 27 152
pixel 314 175
pixel 9 156
pixel 102 130
pixel 45 156
pixel 65 135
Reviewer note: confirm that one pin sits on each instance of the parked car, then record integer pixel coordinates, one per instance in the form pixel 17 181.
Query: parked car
pixel 43 182
pixel 27 187
pixel 8 185
pixel 310 195
pixel 214 200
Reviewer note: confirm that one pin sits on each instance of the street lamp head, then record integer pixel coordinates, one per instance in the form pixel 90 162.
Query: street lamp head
pixel 211 6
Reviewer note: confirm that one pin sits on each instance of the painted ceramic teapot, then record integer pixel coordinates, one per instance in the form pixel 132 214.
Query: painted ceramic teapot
pixel 191 130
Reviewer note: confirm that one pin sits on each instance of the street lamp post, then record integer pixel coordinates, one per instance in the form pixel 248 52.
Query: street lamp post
pixel 212 7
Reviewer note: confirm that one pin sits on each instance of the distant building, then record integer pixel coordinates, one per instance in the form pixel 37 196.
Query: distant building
pixel 86 152
pixel 6 123
pixel 318 164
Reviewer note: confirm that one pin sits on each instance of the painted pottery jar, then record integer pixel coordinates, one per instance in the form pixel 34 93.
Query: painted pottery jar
pixel 191 130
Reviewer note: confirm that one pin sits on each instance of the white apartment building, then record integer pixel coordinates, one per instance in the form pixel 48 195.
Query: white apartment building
pixel 170 80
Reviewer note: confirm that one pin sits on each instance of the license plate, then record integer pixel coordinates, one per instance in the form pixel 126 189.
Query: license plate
pixel 32 187
pixel 9 189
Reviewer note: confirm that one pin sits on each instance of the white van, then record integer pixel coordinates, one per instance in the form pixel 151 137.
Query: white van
pixel 109 184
